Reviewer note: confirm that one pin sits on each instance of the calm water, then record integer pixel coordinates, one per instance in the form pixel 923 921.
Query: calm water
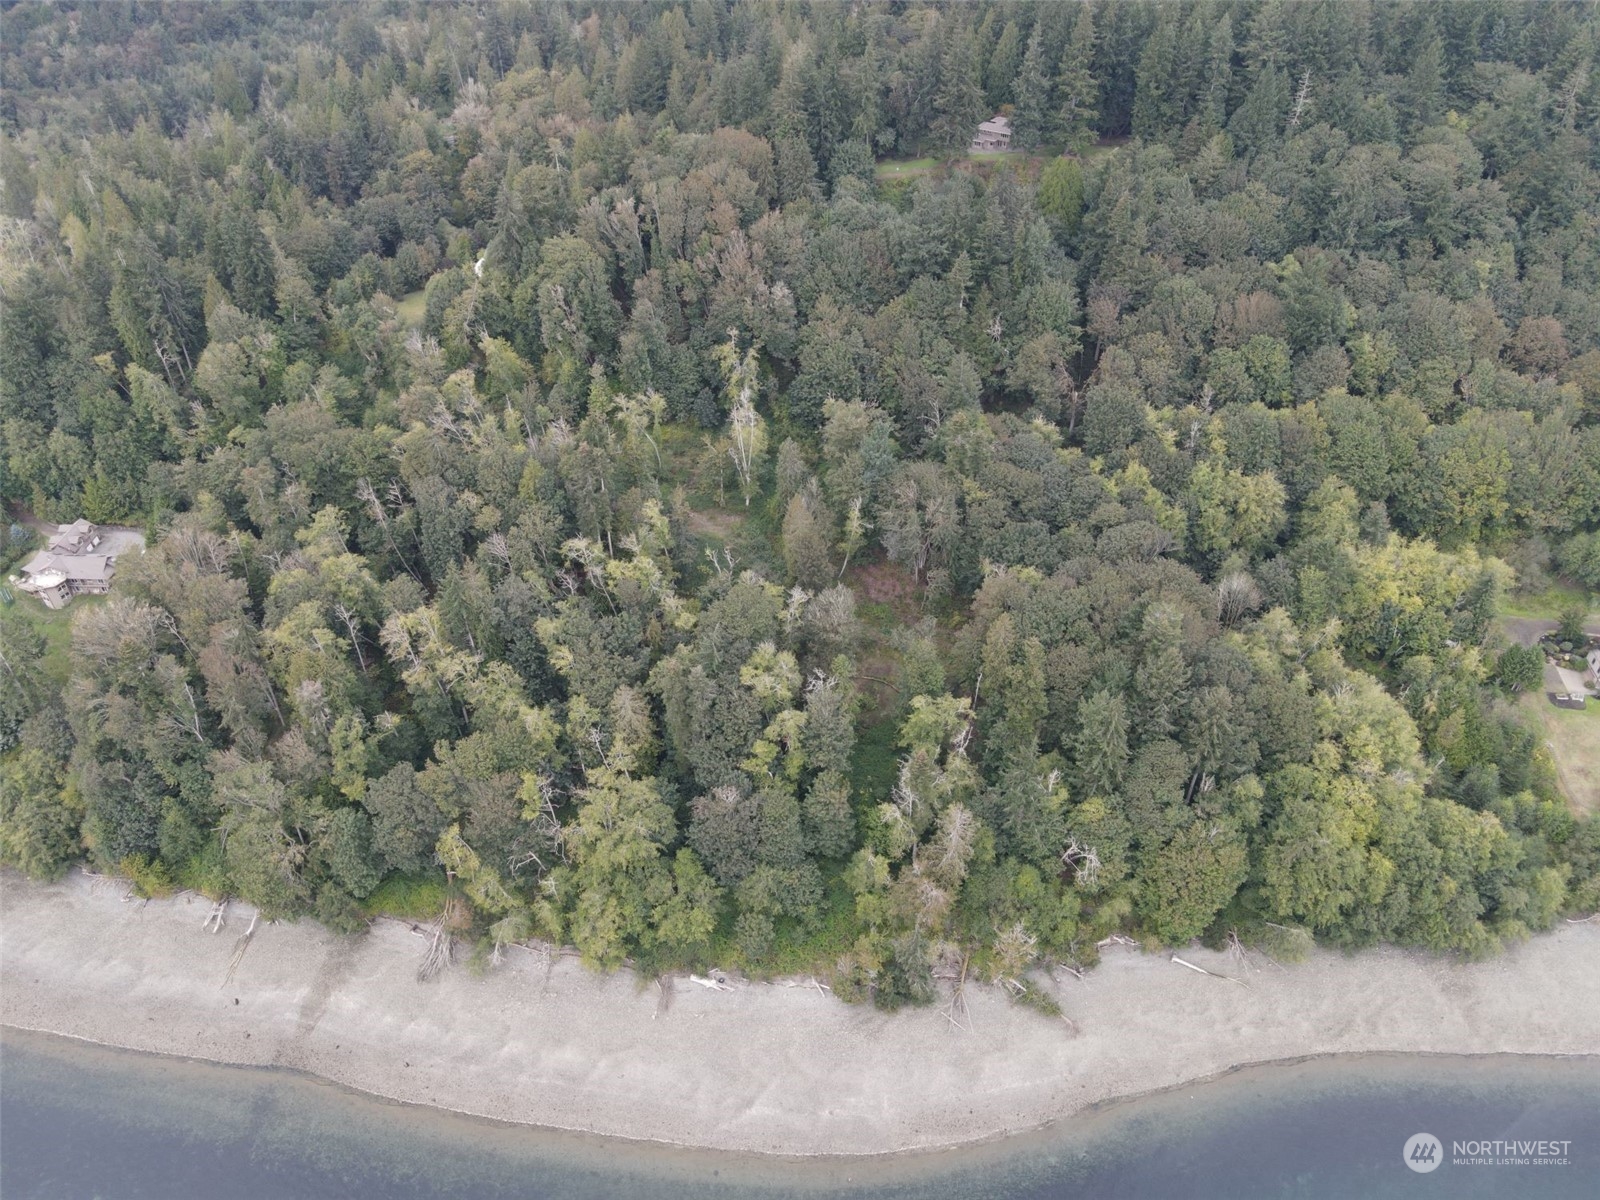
pixel 79 1122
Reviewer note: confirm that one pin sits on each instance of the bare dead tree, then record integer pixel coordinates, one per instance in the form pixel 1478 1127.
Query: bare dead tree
pixel 348 618
pixel 498 548
pixel 368 495
pixel 956 1011
pixel 1237 597
pixel 441 946
pixel 1302 98
pixel 1084 863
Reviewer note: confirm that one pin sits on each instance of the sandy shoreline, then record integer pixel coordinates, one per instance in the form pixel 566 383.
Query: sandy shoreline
pixel 765 1068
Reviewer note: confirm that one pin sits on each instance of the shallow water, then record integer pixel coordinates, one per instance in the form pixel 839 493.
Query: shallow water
pixel 82 1122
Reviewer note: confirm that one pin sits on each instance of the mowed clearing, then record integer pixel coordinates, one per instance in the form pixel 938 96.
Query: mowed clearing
pixel 1572 736
pixel 1574 741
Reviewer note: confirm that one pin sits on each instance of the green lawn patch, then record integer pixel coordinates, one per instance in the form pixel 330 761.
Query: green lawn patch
pixel 1573 739
pixel 1546 605
pixel 407 898
pixel 898 169
pixel 410 309
pixel 54 625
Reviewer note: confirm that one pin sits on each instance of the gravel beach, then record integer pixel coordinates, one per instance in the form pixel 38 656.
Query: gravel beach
pixel 780 1068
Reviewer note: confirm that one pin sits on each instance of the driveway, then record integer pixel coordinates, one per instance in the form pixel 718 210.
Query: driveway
pixel 1526 631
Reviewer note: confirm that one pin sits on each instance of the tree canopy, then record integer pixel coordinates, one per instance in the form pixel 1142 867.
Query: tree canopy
pixel 582 485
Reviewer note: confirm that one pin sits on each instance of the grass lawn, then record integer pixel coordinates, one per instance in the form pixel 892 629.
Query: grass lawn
pixel 410 309
pixel 1546 605
pixel 1574 741
pixel 54 625
pixel 905 167
pixel 407 897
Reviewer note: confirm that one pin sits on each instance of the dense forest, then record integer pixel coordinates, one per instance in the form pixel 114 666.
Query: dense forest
pixel 623 474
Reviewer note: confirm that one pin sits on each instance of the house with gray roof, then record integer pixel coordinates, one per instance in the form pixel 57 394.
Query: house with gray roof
pixel 993 134
pixel 77 563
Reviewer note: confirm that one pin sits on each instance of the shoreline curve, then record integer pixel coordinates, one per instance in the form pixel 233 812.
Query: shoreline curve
pixel 772 1069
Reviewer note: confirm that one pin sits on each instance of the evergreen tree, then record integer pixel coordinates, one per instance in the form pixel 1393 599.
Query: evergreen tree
pixel 1077 94
pixel 1259 122
pixel 1101 745
pixel 958 103
pixel 1423 94
pixel 1156 104
pixel 1005 67
pixel 1216 81
pixel 1032 95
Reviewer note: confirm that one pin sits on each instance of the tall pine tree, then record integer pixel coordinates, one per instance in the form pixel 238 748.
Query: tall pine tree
pixel 1032 93
pixel 1005 62
pixel 1077 93
pixel 959 102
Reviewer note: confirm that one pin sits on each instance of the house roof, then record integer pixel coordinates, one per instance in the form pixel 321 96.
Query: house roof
pixel 72 539
pixel 995 125
pixel 39 563
pixel 90 566
pixel 72 566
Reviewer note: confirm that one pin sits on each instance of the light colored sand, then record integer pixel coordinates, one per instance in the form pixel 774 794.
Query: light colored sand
pixel 764 1068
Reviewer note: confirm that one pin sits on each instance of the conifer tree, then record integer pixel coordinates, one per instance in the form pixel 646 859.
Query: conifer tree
pixel 1155 107
pixel 1004 67
pixel 1217 78
pixel 1032 95
pixel 1077 94
pixel 959 101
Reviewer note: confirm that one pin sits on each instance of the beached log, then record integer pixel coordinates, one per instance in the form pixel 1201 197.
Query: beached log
pixel 1203 971
pixel 218 917
pixel 239 948
pixel 441 945
pixel 957 1012
pixel 716 985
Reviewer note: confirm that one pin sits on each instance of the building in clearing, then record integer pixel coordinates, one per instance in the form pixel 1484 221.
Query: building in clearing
pixel 993 134
pixel 77 563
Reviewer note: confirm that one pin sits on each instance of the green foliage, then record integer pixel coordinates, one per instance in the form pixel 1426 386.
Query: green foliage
pixel 407 897
pixel 1061 194
pixel 1570 624
pixel 1520 668
pixel 39 814
pixel 1066 496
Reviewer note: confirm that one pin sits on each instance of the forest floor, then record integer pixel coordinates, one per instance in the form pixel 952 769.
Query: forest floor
pixel 775 1068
